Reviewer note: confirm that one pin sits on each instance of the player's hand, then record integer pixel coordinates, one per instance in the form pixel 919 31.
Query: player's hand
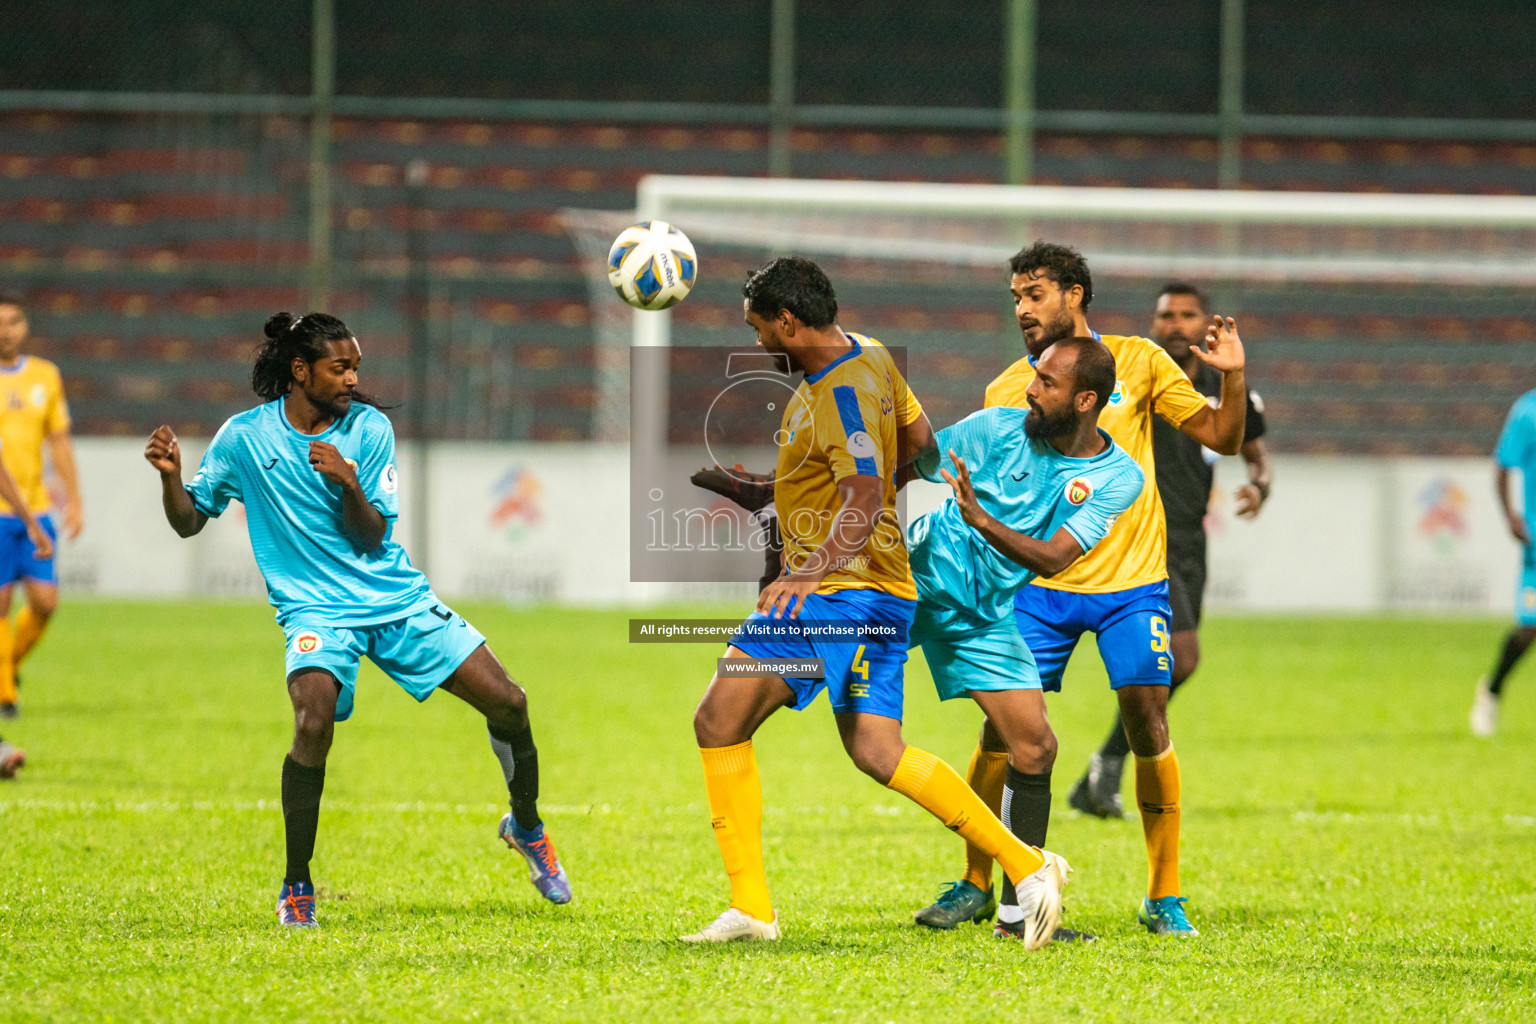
pixel 329 463
pixel 1223 348
pixel 965 497
pixel 74 519
pixel 786 595
pixel 1518 528
pixel 42 544
pixel 163 452
pixel 1249 500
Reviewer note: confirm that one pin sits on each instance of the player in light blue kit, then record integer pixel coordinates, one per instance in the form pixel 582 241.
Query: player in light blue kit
pixel 1516 450
pixel 1033 491
pixel 315 468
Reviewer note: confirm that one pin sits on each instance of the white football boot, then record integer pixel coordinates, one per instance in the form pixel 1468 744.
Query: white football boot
pixel 1485 711
pixel 1039 902
pixel 734 926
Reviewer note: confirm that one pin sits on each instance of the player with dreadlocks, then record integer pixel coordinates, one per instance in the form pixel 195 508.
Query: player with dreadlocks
pixel 315 467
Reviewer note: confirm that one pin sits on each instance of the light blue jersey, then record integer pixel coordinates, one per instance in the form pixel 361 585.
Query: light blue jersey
pixel 1517 450
pixel 1025 484
pixel 315 572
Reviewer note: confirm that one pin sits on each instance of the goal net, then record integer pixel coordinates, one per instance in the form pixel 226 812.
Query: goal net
pixel 1376 324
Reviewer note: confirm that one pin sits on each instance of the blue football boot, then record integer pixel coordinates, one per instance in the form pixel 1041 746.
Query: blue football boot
pixel 544 868
pixel 1165 916
pixel 296 906
pixel 959 902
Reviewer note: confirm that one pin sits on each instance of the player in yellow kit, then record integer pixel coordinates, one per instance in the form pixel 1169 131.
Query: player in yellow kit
pixel 1118 591
pixel 846 598
pixel 33 416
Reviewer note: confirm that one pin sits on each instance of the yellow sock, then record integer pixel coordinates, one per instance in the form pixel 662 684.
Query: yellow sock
pixel 986 775
pixel 7 664
pixel 29 629
pixel 934 786
pixel 1157 792
pixel 736 811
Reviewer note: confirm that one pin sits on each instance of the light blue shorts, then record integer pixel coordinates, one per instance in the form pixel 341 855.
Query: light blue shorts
pixel 1525 597
pixel 419 652
pixel 968 653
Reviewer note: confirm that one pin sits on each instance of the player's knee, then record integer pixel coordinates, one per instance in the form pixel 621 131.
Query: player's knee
pixel 312 733
pixel 1035 755
pixel 43 605
pixel 514 705
pixel 708 729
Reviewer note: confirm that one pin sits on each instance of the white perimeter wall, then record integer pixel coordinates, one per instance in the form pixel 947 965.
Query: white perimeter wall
pixel 549 523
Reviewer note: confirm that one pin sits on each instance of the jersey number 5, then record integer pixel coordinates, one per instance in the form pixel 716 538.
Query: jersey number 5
pixel 1160 641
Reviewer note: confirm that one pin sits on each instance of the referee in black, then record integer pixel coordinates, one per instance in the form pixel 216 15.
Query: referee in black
pixel 1185 473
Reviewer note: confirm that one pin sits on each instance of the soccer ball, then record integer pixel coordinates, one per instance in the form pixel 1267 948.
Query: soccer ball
pixel 652 265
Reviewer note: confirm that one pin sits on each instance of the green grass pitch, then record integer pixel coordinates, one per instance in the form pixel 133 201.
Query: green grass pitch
pixel 1350 853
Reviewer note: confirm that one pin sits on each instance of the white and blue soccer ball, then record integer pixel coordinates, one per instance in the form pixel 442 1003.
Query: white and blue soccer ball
pixel 652 265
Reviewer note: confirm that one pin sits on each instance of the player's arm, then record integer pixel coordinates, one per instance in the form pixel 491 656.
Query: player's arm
pixel 1221 428
pixel 1252 495
pixel 862 504
pixel 41 542
pixel 1041 557
pixel 1515 520
pixel 164 453
pixel 915 441
pixel 364 523
pixel 62 448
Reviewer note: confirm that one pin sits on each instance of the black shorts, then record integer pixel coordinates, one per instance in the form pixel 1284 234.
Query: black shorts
pixel 1186 579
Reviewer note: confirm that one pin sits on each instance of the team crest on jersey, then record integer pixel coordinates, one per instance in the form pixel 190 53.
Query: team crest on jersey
pixel 39 395
pixel 350 462
pixel 307 642
pixel 1117 396
pixel 1079 490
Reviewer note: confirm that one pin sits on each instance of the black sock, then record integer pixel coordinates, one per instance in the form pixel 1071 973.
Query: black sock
pixel 302 787
pixel 1115 744
pixel 1026 813
pixel 1514 647
pixel 524 784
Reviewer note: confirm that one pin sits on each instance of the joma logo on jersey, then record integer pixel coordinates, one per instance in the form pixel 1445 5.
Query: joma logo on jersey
pixel 307 643
pixel 1079 491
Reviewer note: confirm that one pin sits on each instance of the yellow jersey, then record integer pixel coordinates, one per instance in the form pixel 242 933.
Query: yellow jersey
pixel 32 407
pixel 1147 381
pixel 844 421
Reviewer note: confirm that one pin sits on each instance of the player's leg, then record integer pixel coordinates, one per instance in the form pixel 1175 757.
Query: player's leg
pixel 313 693
pixel 42 599
pixel 1490 689
pixel 1158 795
pixel 732 709
pixel 875 744
pixel 40 584
pixel 321 663
pixel 9 696
pixel 1049 627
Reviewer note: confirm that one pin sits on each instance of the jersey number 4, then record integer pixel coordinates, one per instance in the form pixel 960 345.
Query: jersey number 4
pixel 859 667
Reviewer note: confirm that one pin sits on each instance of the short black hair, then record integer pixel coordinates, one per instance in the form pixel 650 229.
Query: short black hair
pixel 1185 288
pixel 793 283
pixel 10 298
pixel 1094 370
pixel 1061 263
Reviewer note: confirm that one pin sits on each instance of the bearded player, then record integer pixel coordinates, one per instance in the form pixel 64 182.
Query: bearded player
pixel 850 426
pixel 34 418
pixel 315 467
pixel 1118 591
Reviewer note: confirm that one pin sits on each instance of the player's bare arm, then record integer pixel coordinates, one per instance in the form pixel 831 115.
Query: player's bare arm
pixel 62 450
pixel 914 440
pixel 851 530
pixel 1042 557
pixel 35 532
pixel 1515 520
pixel 164 453
pixel 1221 428
pixel 364 523
pixel 1251 496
